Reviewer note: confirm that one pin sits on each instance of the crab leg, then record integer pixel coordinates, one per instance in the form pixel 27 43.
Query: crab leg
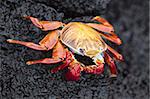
pixel 115 53
pixel 50 40
pixel 58 55
pixel 106 27
pixel 110 36
pixel 103 21
pixel 47 43
pixel 45 25
pixel 111 64
pixel 27 44
pixel 101 27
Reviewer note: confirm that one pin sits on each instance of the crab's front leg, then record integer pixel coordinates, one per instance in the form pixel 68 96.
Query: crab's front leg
pixel 45 25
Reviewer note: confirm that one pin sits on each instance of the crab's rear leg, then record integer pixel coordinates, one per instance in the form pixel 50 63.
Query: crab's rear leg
pixel 103 21
pixel 117 55
pixel 27 44
pixel 111 64
pixel 58 55
pixel 47 43
pixel 45 25
pixel 111 36
pixel 50 41
pixel 106 27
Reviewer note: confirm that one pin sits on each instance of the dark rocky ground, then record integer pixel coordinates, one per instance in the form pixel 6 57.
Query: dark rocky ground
pixel 19 81
pixel 73 8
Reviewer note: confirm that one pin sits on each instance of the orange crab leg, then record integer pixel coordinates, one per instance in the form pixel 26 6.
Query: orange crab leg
pixel 106 27
pixel 50 40
pixel 103 21
pixel 111 36
pixel 27 44
pixel 101 27
pixel 47 43
pixel 58 55
pixel 45 25
pixel 115 53
pixel 111 64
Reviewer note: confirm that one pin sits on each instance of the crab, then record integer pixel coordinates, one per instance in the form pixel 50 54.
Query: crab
pixel 85 39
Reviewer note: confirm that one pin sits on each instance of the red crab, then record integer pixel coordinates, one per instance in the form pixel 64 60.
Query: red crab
pixel 76 37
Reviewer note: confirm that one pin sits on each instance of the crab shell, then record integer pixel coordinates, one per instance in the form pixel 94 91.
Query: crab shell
pixel 82 39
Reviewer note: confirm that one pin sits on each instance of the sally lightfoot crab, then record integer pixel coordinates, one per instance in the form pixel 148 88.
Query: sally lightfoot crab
pixel 76 37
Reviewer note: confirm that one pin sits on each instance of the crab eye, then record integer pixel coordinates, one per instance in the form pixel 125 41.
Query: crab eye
pixel 101 49
pixel 102 54
pixel 81 50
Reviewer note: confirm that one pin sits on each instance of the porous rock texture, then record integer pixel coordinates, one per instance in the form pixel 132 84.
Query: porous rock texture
pixel 73 8
pixel 20 81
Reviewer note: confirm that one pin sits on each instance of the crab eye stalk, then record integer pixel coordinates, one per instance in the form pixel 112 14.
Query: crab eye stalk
pixel 82 50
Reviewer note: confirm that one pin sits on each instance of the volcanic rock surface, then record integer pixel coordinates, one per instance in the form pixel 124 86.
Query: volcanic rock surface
pixel 20 81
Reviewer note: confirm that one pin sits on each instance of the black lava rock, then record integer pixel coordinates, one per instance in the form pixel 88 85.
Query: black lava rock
pixel 73 8
pixel 19 81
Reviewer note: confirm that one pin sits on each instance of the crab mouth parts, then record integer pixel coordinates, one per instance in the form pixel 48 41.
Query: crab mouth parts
pixel 85 60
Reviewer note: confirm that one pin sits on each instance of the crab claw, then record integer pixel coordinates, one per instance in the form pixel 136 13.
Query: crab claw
pixel 73 73
pixel 65 63
pixel 94 69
